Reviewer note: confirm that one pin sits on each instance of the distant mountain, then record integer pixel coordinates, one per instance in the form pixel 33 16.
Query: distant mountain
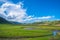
pixel 3 21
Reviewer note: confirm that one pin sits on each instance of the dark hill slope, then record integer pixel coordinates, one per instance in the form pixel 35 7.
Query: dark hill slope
pixel 2 21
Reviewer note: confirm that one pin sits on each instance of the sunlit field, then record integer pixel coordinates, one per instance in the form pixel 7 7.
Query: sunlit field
pixel 24 32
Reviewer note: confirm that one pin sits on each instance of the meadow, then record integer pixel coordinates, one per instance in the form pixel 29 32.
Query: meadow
pixel 27 32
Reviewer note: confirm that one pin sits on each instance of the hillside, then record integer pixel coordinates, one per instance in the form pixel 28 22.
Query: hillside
pixel 3 21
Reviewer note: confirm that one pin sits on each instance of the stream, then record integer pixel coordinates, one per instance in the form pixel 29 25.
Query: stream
pixel 55 32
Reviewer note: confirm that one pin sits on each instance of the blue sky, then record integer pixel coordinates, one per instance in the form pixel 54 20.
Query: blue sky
pixel 42 7
pixel 39 8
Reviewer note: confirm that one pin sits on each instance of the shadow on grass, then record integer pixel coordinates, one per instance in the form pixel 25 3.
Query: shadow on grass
pixel 17 37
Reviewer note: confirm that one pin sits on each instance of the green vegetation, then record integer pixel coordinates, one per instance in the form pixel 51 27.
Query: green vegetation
pixel 36 32
pixel 13 30
pixel 33 31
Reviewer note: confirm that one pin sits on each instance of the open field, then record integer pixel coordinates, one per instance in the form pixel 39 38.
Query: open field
pixel 21 32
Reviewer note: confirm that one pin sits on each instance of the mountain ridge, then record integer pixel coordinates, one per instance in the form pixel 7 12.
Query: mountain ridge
pixel 2 20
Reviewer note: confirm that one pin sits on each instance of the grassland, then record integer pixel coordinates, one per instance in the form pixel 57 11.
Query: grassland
pixel 24 33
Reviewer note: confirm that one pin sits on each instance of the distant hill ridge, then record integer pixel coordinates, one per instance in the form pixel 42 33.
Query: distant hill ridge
pixel 2 20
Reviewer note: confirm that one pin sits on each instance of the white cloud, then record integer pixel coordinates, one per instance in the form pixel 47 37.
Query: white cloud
pixel 37 19
pixel 46 17
pixel 15 12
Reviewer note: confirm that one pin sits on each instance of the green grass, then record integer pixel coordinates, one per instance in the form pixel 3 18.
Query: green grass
pixel 40 38
pixel 9 30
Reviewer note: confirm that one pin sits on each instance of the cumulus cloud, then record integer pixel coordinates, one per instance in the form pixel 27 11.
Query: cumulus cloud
pixel 16 12
pixel 37 19
pixel 13 12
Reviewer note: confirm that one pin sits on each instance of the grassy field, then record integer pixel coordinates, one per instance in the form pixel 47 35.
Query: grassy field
pixel 24 33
